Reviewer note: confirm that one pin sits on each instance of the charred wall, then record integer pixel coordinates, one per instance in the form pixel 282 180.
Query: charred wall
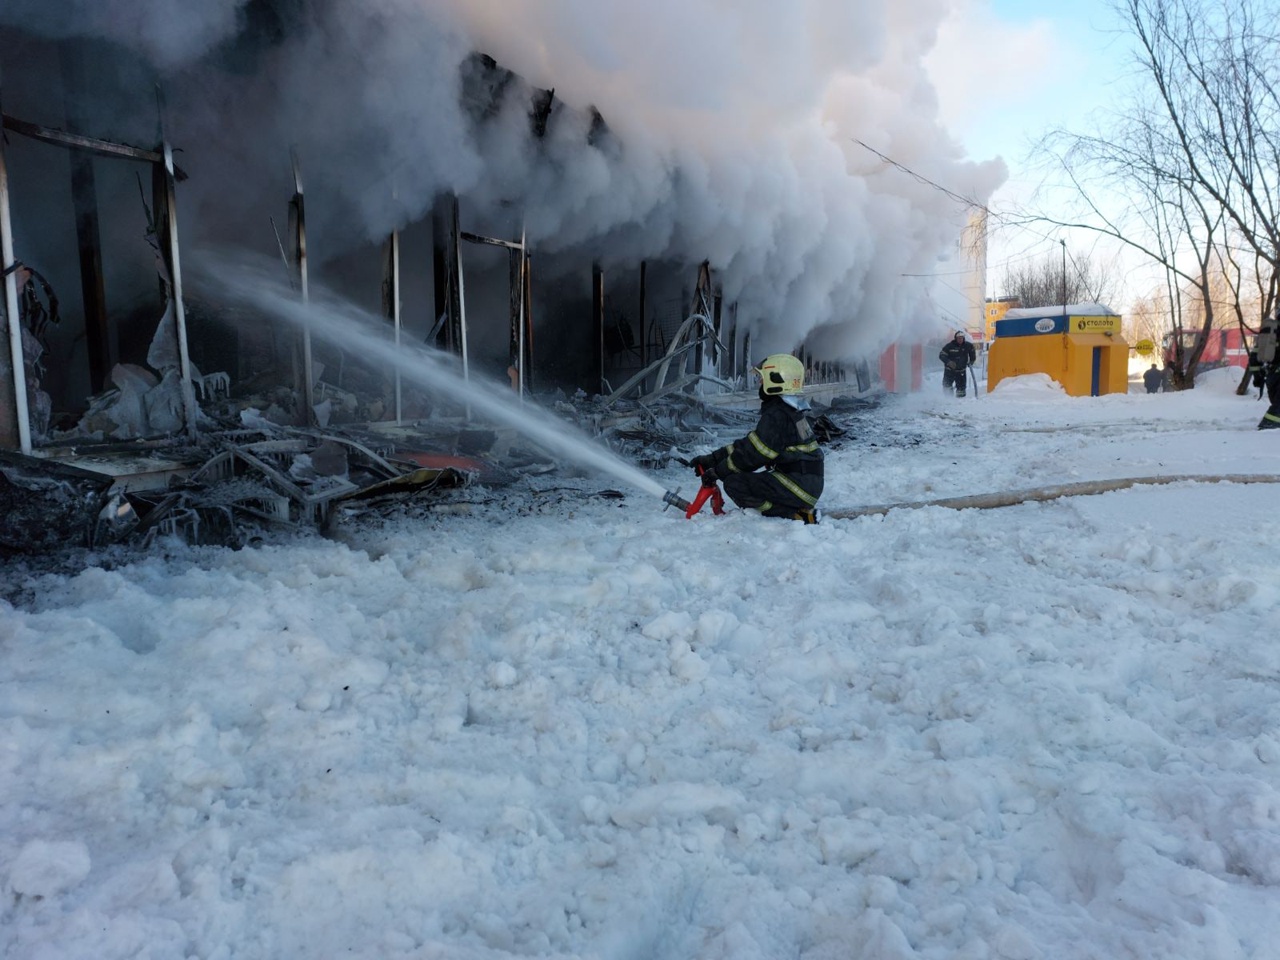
pixel 99 90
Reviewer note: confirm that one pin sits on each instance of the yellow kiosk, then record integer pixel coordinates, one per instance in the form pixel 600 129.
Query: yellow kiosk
pixel 1080 346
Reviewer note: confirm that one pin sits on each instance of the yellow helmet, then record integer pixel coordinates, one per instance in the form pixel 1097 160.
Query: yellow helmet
pixel 781 375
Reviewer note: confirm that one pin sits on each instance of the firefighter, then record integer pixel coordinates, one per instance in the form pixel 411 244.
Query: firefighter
pixel 1153 379
pixel 777 467
pixel 1257 373
pixel 1267 358
pixel 956 356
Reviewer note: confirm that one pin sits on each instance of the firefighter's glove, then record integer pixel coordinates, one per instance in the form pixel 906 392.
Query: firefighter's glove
pixel 702 463
pixel 709 477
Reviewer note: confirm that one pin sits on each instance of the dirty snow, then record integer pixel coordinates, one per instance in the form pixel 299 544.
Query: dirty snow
pixel 578 726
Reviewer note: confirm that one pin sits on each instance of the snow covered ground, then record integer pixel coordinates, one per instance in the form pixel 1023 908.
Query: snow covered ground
pixel 576 726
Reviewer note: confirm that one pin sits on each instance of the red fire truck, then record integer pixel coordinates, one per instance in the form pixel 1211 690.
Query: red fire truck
pixel 1224 348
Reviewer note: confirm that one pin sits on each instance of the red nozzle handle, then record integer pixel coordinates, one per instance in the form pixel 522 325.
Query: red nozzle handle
pixel 711 493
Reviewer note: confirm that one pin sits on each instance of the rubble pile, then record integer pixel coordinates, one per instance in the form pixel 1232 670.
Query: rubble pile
pixel 245 473
pixel 46 505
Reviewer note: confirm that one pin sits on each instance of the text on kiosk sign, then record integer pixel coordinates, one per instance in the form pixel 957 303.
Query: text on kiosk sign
pixel 1094 324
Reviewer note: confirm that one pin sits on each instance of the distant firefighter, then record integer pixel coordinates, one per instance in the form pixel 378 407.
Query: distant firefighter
pixel 1153 379
pixel 1266 363
pixel 957 356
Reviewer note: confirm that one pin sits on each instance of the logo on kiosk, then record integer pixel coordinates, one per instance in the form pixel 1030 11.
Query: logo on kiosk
pixel 1109 325
pixel 1044 325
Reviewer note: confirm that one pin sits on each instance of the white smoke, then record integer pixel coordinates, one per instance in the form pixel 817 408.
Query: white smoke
pixel 739 125
pixel 732 130
pixel 168 33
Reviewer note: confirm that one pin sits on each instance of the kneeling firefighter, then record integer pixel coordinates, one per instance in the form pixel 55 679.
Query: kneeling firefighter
pixel 782 448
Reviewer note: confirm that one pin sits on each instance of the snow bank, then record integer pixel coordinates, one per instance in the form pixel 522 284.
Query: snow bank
pixel 587 727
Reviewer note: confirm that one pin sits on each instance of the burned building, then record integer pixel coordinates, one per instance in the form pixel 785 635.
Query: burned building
pixel 125 371
pixel 377 155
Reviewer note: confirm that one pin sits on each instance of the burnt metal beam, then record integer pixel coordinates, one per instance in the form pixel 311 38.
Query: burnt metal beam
pixel 732 340
pixel 493 241
pixel 540 111
pixel 446 258
pixel 484 85
pixel 597 323
pixel 460 294
pixel 165 202
pixel 515 340
pixel 518 294
pixel 702 306
pixel 304 377
pixel 644 332
pixel 526 376
pixel 93 293
pixel 15 424
pixel 598 129
pixel 105 148
pixel 391 305
pixel 175 290
pixel 717 304
pixel 693 332
pixel 440 276
pixel 84 194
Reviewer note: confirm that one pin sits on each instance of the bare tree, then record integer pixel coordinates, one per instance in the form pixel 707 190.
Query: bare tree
pixel 1197 155
pixel 1058 280
pixel 1251 292
pixel 1147 317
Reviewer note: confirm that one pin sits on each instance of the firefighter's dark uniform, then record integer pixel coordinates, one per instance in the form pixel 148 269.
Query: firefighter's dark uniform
pixel 1264 365
pixel 1271 419
pixel 1153 379
pixel 956 356
pixel 784 445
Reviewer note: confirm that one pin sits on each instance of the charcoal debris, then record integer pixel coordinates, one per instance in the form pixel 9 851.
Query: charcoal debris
pixel 246 475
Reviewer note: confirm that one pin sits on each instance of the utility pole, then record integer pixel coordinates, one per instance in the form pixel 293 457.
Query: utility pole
pixel 1064 277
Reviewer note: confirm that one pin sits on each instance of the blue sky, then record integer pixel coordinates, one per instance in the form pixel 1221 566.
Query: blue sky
pixel 1009 70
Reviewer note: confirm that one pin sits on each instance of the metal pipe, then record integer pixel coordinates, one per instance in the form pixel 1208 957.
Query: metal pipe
pixel 11 310
pixel 61 138
pixel 441 295
pixel 300 251
pixel 1064 278
pixel 175 291
pixel 527 327
pixel 395 312
pixel 644 331
pixel 492 241
pixel 462 319
pixel 520 335
pixel 84 194
pixel 597 323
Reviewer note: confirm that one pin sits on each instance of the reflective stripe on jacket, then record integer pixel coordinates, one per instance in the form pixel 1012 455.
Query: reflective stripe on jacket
pixel 783 442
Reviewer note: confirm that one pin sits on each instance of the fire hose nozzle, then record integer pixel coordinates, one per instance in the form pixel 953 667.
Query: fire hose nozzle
pixel 673 499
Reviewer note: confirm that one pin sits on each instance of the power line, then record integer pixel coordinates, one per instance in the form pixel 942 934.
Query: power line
pixel 968 202
pixel 959 198
pixel 1019 257
pixel 941 309
pixel 941 273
